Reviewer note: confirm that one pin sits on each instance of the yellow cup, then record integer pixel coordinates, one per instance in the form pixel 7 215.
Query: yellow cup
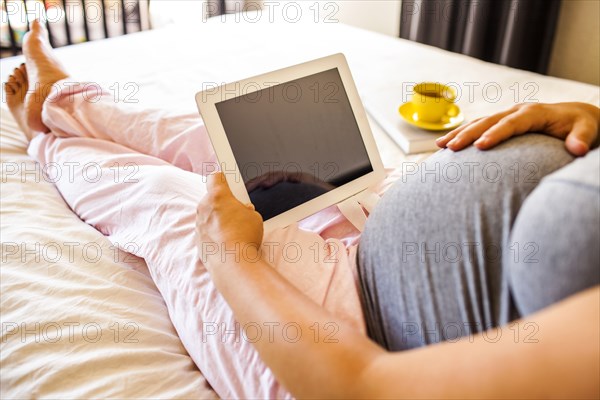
pixel 432 100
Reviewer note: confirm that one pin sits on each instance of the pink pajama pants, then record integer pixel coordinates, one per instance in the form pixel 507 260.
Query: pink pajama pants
pixel 136 176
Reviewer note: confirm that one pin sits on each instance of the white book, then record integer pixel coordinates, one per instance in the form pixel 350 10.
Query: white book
pixel 383 108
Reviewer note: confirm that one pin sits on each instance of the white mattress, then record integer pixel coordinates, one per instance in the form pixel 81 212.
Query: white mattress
pixel 53 306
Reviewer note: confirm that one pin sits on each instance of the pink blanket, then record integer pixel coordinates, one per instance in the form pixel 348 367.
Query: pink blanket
pixel 136 176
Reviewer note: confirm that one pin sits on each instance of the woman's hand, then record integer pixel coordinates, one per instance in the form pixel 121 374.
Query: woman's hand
pixel 222 220
pixel 576 123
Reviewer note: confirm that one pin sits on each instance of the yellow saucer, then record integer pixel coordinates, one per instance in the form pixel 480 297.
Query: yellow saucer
pixel 453 118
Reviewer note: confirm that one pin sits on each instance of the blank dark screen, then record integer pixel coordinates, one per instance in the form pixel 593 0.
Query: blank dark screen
pixel 294 141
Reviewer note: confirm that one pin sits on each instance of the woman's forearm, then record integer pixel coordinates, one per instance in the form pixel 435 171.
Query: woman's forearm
pixel 562 358
pixel 311 352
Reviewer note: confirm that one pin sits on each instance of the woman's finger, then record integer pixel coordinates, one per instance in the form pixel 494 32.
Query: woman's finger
pixel 531 117
pixel 511 125
pixel 475 130
pixel 217 183
pixel 443 141
pixel 581 138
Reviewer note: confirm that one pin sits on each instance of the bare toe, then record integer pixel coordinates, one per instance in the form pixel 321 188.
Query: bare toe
pixel 8 87
pixel 16 89
pixel 19 74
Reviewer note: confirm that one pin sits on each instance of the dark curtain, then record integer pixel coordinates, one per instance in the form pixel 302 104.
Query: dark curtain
pixel 216 7
pixel 517 33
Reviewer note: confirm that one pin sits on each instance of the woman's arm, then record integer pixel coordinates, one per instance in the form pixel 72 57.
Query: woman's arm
pixel 564 360
pixel 313 364
pixel 576 123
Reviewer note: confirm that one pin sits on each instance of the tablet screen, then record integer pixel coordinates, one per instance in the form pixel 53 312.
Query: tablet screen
pixel 294 141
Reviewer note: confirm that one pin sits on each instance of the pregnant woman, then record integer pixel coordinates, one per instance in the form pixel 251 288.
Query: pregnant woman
pixel 483 284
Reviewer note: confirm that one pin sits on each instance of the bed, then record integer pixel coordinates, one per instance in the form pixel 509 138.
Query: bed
pixel 83 320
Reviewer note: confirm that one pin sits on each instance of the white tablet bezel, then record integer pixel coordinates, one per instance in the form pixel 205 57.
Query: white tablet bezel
pixel 207 100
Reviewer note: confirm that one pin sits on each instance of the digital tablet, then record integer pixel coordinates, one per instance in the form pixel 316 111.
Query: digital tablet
pixel 292 141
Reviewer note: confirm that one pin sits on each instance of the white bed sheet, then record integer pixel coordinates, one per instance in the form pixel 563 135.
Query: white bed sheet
pixel 165 68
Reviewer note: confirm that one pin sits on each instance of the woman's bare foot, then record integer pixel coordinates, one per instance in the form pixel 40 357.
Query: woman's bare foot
pixel 43 70
pixel 16 89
